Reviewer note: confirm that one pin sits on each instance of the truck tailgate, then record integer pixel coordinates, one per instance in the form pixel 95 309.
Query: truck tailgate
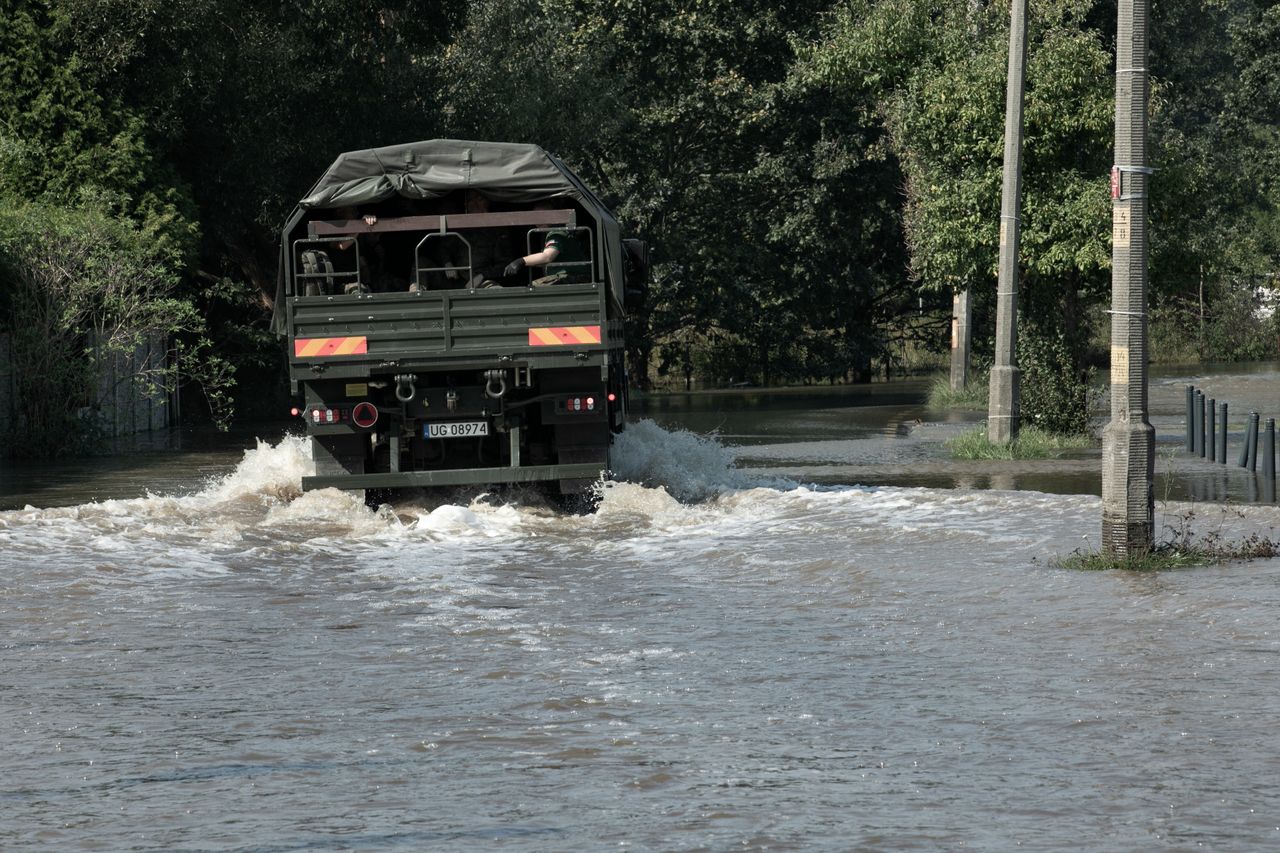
pixel 372 328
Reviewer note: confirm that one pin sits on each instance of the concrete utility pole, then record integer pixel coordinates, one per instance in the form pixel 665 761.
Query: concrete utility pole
pixel 1128 442
pixel 961 317
pixel 1003 410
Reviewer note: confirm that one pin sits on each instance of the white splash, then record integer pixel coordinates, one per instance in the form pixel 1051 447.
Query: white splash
pixel 689 467
pixel 273 471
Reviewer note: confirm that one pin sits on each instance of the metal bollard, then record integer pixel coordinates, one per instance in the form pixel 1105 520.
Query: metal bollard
pixel 1191 418
pixel 1244 449
pixel 1211 430
pixel 1253 442
pixel 1199 426
pixel 1269 462
pixel 1222 437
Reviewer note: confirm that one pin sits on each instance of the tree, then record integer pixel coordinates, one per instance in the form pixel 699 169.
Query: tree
pixel 938 75
pixel 84 288
pixel 253 102
pixel 64 138
pixel 775 243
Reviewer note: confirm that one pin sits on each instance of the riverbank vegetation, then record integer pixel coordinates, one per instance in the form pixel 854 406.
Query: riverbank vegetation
pixel 815 179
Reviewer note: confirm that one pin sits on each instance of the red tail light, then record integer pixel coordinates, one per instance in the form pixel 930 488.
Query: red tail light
pixel 321 415
pixel 577 405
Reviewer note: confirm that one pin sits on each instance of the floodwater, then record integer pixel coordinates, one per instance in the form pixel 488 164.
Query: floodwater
pixel 720 657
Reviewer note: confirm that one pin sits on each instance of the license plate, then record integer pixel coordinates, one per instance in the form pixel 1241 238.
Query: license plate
pixel 455 429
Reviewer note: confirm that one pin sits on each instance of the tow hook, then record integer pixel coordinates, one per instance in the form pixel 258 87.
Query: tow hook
pixel 498 377
pixel 405 389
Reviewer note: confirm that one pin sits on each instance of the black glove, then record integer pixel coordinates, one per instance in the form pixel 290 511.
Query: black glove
pixel 513 267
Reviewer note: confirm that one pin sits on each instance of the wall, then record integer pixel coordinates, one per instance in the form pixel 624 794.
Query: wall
pixel 123 401
pixel 125 404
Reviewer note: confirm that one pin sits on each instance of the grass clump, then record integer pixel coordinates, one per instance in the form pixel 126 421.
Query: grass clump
pixel 1181 550
pixel 972 397
pixel 1032 443
pixel 1161 558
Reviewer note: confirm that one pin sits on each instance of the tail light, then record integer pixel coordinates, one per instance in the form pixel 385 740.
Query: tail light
pixel 579 404
pixel 321 415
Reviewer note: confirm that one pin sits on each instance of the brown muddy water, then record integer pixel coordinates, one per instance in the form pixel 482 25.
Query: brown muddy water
pixel 196 656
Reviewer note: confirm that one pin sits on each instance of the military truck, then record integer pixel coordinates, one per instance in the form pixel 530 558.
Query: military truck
pixel 420 359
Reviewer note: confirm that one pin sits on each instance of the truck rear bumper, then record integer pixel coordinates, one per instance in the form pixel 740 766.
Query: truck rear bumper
pixel 455 477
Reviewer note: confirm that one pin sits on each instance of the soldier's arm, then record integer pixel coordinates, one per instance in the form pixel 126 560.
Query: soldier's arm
pixel 542 258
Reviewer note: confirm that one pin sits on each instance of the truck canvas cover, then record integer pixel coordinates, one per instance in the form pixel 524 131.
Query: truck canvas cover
pixel 503 171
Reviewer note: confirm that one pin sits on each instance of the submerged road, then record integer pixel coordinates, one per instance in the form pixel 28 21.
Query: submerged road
pixel 720 657
pixel 716 658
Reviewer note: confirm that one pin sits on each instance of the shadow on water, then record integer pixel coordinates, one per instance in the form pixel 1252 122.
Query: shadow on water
pixel 175 461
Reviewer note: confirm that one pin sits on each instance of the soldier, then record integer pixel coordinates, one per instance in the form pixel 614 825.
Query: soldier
pixel 559 244
pixel 372 255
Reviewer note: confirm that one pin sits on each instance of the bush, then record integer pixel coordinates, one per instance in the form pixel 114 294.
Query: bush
pixel 84 289
pixel 1172 335
pixel 1235 331
pixel 1054 388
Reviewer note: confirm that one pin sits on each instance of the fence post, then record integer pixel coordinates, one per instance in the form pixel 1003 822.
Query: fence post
pixel 1191 418
pixel 1222 437
pixel 1253 442
pixel 1269 462
pixel 1244 449
pixel 1211 430
pixel 1199 425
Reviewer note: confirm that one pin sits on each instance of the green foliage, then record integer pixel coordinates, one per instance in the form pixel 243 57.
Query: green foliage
pixel 1236 331
pixel 1216 147
pixel 938 75
pixel 815 178
pixel 1032 443
pixel 1054 389
pixel 86 289
pixel 1173 335
pixel 66 139
pixel 1159 559
pixel 772 221
pixel 1233 326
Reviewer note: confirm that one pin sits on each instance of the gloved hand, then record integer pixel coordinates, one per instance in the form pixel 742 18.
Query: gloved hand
pixel 513 267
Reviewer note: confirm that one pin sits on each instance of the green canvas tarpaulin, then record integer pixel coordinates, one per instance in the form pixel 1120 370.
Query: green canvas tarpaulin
pixel 503 171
